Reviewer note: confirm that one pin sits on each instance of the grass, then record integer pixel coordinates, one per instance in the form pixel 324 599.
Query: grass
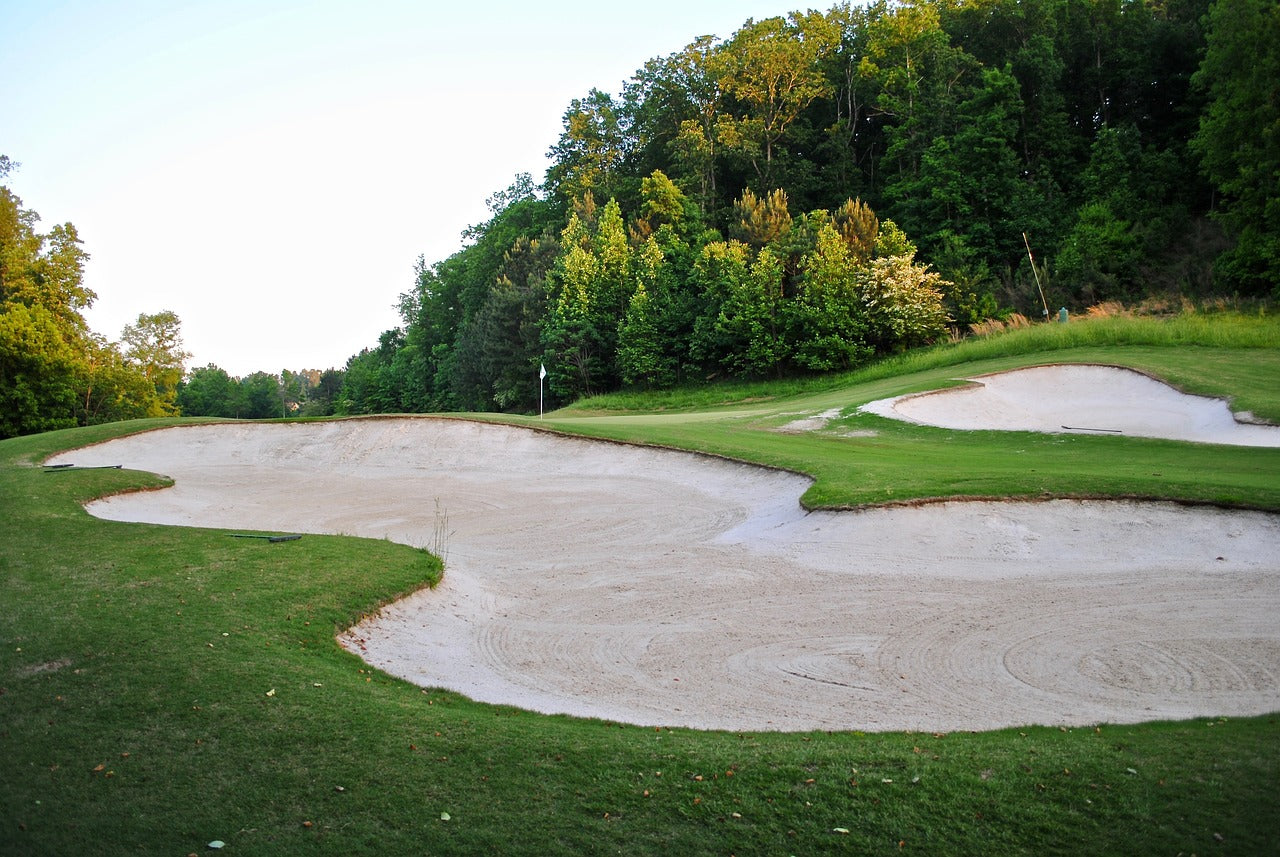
pixel 163 687
pixel 1257 334
pixel 869 460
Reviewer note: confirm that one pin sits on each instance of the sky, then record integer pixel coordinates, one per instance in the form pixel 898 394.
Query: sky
pixel 271 171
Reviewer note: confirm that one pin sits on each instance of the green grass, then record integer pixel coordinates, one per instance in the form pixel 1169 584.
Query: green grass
pixel 164 687
pixel 1229 356
pixel 900 463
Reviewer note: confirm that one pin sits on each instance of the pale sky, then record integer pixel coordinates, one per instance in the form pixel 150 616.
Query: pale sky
pixel 271 170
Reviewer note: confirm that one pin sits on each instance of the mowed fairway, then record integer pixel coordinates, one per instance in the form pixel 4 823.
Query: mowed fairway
pixel 168 687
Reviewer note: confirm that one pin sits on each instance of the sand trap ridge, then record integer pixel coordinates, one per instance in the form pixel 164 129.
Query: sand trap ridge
pixel 659 587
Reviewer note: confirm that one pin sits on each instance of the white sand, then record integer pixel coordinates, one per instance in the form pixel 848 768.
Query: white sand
pixel 1078 399
pixel 659 587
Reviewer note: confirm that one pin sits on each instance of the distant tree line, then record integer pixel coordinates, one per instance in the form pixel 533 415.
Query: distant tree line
pixel 57 373
pixel 54 371
pixel 210 392
pixel 821 187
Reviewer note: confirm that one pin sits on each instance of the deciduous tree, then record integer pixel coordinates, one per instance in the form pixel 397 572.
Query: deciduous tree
pixel 592 148
pixel 37 372
pixel 210 392
pixel 153 344
pixel 772 69
pixel 902 298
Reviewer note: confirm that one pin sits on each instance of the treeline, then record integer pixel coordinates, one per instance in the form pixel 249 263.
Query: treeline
pixel 822 186
pixel 798 197
pixel 54 371
pixel 210 392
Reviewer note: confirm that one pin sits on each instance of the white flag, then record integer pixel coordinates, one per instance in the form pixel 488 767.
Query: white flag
pixel 542 371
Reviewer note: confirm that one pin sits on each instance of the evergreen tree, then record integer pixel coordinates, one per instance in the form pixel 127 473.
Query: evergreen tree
pixel 831 320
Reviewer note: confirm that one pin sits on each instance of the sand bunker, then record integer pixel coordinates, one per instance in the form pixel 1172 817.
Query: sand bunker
pixel 1072 398
pixel 658 587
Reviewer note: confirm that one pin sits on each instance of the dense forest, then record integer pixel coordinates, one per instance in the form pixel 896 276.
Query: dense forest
pixel 821 187
pixel 807 193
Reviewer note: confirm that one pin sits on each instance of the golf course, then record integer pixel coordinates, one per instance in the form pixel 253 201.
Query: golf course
pixel 1032 611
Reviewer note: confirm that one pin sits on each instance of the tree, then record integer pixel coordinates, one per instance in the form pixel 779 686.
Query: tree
pixel 261 395
pixel 969 179
pixel 967 283
pixel 678 233
pixel 678 105
pixel 640 345
pixel 855 134
pixel 441 307
pixel 43 336
pixel 892 241
pixel 747 333
pixel 595 284
pixel 1026 37
pixel 831 320
pixel 762 221
pixel 37 372
pixel 501 349
pixel 903 299
pixel 42 270
pixel 642 357
pixel 721 270
pixel 911 67
pixel 858 225
pixel 358 380
pixel 210 392
pixel 54 371
pixel 592 148
pixel 110 388
pixel 661 203
pixel 293 391
pixel 969 122
pixel 772 69
pixel 1239 137
pixel 153 344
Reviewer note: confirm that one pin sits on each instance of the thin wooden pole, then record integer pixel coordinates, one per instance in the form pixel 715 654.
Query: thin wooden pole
pixel 1036 274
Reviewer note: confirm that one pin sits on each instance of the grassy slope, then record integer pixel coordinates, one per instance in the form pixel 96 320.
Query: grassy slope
pixel 152 651
pixel 1179 343
pixel 902 462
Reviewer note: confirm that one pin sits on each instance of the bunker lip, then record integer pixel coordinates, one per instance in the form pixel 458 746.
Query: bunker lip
pixel 656 587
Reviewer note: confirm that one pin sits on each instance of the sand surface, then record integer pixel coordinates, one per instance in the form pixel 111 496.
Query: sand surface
pixel 1078 399
pixel 664 588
